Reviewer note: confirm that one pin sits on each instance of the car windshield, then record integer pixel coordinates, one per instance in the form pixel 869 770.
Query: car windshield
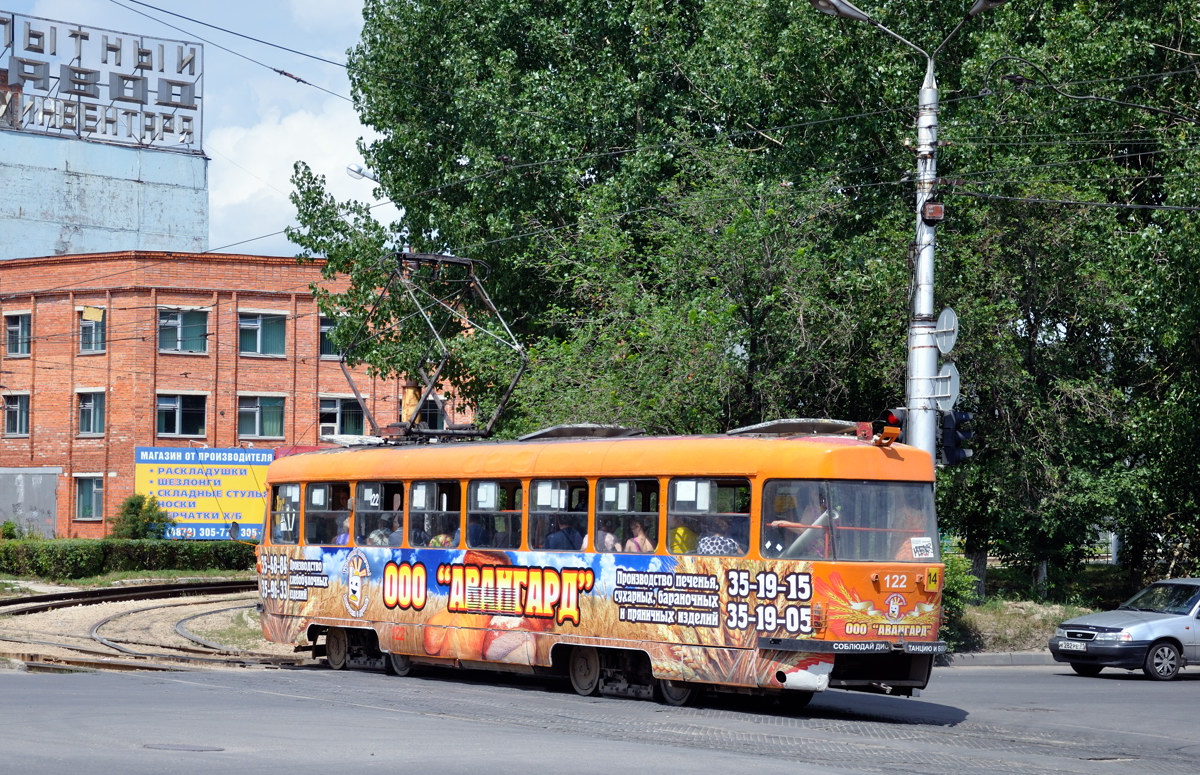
pixel 1165 598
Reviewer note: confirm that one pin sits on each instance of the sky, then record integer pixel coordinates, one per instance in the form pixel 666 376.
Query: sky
pixel 257 123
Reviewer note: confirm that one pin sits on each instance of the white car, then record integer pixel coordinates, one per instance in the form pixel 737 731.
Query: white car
pixel 1157 630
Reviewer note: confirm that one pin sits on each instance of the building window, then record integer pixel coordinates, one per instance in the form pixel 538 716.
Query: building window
pixel 261 334
pixel 91 330
pixel 89 497
pixel 328 350
pixel 18 330
pixel 91 413
pixel 260 416
pixel 341 416
pixel 181 415
pixel 16 415
pixel 183 331
pixel 430 415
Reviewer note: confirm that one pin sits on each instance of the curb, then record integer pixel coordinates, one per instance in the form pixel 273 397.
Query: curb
pixel 997 659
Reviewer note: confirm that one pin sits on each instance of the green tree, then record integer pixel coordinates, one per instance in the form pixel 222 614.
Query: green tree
pixel 696 216
pixel 140 516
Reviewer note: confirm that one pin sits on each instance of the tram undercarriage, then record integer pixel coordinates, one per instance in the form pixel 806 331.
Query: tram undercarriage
pixel 618 672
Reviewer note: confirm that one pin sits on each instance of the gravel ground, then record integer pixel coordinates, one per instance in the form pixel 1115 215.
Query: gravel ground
pixel 145 630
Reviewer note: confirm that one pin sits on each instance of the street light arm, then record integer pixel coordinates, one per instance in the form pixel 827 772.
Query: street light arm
pixel 902 39
pixel 979 7
pixel 847 10
pixel 953 32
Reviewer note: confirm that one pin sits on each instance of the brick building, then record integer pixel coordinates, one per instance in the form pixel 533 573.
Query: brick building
pixel 107 352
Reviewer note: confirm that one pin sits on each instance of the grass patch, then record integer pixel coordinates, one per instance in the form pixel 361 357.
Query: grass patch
pixel 239 629
pixel 117 578
pixel 1015 625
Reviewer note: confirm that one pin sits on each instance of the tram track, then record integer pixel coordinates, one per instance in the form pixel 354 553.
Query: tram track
pixel 103 629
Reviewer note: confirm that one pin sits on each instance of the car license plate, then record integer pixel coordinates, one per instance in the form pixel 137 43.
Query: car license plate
pixel 1071 645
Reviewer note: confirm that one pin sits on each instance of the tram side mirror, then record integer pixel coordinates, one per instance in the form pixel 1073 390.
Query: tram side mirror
pixel 235 531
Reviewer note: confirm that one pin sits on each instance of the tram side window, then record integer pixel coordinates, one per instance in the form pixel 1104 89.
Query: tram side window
pixel 626 516
pixel 379 514
pixel 884 521
pixel 494 514
pixel 327 513
pixel 558 514
pixel 285 514
pixel 715 511
pixel 434 513
pixel 795 519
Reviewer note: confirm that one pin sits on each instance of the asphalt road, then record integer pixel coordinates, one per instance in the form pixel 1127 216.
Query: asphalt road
pixel 1032 719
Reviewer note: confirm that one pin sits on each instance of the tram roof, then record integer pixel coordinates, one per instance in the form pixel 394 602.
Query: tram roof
pixel 820 457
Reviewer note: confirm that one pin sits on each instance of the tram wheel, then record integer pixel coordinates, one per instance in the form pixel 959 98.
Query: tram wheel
pixel 676 693
pixel 398 664
pixel 337 647
pixel 584 670
pixel 793 701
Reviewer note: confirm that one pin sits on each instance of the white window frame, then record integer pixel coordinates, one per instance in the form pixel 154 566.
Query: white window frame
pixel 92 393
pixel 13 410
pixel 252 320
pixel 179 409
pixel 178 326
pixel 22 320
pixel 326 325
pixel 339 422
pixel 257 411
pixel 93 325
pixel 97 496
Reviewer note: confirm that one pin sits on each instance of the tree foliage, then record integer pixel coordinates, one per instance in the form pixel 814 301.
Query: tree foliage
pixel 140 516
pixel 697 215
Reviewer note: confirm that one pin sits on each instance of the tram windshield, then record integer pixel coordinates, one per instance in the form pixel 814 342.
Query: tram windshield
pixel 849 520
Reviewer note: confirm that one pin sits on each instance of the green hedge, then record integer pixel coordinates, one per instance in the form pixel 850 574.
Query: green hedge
pixel 61 559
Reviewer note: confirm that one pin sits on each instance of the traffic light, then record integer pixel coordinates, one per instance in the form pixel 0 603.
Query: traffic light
pixel 890 418
pixel 953 436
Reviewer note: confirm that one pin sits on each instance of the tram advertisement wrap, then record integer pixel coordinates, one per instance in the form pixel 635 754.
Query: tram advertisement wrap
pixel 212 494
pixel 700 618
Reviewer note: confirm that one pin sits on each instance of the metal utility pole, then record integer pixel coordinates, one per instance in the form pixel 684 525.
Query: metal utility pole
pixel 921 390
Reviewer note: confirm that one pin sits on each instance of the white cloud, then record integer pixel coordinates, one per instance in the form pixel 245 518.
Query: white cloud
pixel 249 188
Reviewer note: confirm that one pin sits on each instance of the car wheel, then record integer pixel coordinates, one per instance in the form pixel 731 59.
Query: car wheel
pixel 1087 669
pixel 1162 661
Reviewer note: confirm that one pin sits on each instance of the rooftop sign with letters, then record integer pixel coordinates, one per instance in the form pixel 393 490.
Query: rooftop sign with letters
pixel 111 87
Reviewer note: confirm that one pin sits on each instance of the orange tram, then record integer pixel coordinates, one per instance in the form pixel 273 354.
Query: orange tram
pixel 781 559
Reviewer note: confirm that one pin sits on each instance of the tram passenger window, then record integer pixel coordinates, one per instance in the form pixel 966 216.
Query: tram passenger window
pixel 795 521
pixel 378 513
pixel 434 514
pixel 285 514
pixel 626 516
pixel 717 511
pixel 327 513
pixel 558 514
pixel 494 514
